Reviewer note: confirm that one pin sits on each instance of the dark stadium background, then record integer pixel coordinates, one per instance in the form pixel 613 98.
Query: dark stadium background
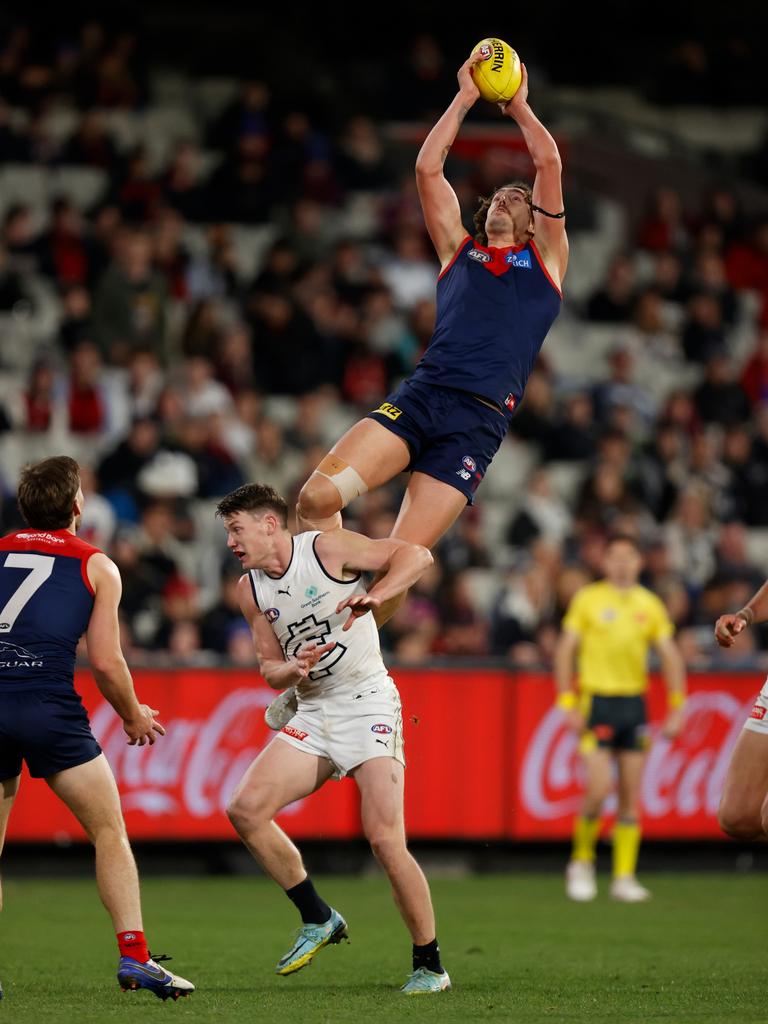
pixel 695 126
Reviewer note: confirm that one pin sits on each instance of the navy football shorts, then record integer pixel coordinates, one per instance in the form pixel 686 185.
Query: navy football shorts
pixel 451 435
pixel 615 723
pixel 48 729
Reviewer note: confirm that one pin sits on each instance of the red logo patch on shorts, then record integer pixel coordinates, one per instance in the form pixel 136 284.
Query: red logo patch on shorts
pixel 297 734
pixel 758 712
pixel 603 732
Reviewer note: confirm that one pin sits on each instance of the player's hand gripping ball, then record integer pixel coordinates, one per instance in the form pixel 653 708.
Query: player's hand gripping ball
pixel 498 74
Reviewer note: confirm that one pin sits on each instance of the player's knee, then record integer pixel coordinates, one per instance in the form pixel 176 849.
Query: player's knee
pixel 594 799
pixel 319 498
pixel 248 811
pixel 387 846
pixel 330 489
pixel 738 825
pixel 108 831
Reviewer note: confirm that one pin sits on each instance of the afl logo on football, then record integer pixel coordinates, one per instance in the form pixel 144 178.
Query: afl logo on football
pixel 380 727
pixel 469 463
pixel 479 255
pixel 272 614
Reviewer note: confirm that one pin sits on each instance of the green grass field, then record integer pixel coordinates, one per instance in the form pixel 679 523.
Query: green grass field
pixel 515 948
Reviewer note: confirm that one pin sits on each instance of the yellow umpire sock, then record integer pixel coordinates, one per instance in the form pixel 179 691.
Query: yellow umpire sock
pixel 626 845
pixel 585 831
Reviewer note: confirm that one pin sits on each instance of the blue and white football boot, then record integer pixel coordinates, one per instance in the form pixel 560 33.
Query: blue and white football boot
pixel 133 975
pixel 310 939
pixel 422 981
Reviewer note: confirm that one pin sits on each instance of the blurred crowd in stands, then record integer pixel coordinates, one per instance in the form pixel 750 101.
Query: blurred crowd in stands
pixel 174 375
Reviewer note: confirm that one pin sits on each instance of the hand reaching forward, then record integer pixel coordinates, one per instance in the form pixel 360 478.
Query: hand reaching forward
pixel 142 728
pixel 358 605
pixel 308 655
pixel 728 627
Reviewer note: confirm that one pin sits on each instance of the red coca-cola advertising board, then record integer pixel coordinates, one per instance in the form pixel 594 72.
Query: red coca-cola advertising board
pixel 682 780
pixel 488 757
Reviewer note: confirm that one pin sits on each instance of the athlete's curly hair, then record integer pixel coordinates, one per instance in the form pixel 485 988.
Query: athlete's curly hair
pixel 485 201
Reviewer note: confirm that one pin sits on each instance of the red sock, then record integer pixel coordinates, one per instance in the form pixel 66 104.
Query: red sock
pixel 133 944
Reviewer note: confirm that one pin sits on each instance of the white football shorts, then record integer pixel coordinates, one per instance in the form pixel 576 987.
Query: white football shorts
pixel 350 729
pixel 758 719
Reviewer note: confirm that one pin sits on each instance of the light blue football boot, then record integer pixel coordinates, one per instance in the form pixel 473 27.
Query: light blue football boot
pixel 310 940
pixel 423 981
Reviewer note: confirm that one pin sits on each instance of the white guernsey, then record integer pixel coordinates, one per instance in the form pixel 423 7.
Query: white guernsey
pixel 350 683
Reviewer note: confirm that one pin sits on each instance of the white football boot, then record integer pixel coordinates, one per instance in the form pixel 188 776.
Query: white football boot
pixel 580 882
pixel 282 709
pixel 627 889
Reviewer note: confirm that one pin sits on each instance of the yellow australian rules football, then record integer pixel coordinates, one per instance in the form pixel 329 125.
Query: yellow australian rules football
pixel 498 74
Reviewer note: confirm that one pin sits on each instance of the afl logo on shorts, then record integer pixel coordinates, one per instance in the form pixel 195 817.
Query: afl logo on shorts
pixel 479 255
pixel 469 463
pixel 272 614
pixel 381 728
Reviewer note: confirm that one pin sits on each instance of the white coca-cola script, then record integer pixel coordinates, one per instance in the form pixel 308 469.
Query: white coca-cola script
pixel 682 778
pixel 196 765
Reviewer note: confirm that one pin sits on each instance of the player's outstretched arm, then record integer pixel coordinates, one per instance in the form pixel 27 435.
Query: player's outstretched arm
pixel 442 213
pixel 673 670
pixel 106 656
pixel 400 563
pixel 278 671
pixel 564 660
pixel 728 627
pixel 548 184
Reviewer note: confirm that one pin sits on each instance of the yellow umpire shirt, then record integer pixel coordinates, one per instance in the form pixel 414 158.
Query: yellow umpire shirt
pixel 615 629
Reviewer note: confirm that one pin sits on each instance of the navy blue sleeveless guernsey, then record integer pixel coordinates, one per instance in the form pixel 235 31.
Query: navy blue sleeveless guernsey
pixel 494 309
pixel 46 602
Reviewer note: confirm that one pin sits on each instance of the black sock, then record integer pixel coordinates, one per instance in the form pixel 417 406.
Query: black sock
pixel 428 956
pixel 313 910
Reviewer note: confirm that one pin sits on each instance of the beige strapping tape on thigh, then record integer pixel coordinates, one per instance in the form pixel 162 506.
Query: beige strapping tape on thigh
pixel 344 478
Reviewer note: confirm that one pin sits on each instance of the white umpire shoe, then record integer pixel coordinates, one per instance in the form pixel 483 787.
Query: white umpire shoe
pixel 580 882
pixel 627 889
pixel 282 709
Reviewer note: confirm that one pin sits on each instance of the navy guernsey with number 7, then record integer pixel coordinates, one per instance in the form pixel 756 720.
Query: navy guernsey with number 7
pixel 46 602
pixel 494 309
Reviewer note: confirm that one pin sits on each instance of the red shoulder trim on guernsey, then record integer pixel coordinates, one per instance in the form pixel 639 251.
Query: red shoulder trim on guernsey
pixel 543 266
pixel 448 266
pixel 84 570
